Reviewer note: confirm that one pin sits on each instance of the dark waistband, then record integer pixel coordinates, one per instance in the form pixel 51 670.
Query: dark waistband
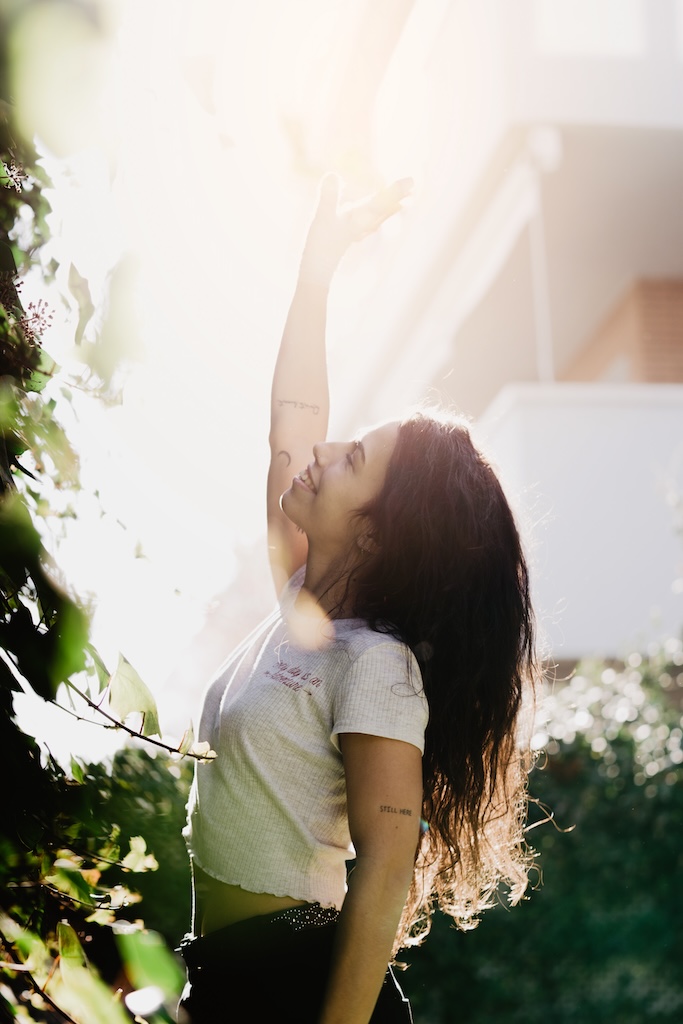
pixel 197 951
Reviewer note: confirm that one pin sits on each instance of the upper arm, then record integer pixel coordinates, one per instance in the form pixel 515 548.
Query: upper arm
pixel 384 796
pixel 299 410
pixel 287 546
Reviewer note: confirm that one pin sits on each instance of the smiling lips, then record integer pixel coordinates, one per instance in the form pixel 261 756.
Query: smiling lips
pixel 306 479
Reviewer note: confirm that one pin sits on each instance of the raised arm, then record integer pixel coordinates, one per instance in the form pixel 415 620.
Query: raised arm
pixel 300 397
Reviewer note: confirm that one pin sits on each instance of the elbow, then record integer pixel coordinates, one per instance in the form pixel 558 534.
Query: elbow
pixel 273 435
pixel 390 870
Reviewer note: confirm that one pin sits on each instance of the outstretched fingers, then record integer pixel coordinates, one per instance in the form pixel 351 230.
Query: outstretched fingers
pixel 338 225
pixel 369 214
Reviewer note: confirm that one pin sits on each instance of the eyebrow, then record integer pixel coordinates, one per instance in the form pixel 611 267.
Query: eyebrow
pixel 361 448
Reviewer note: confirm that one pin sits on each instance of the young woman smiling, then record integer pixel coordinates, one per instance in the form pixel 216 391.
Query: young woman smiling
pixel 374 717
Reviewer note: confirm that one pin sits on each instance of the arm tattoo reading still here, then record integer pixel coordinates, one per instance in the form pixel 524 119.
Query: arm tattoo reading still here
pixel 386 809
pixel 315 409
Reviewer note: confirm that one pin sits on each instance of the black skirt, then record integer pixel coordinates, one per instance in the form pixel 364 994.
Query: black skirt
pixel 270 968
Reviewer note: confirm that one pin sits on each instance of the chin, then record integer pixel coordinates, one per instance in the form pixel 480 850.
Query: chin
pixel 286 506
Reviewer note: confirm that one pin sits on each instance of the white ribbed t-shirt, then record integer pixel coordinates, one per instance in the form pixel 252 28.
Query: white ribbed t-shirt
pixel 269 812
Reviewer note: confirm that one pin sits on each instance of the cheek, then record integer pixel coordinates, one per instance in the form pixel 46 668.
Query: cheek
pixel 374 487
pixel 333 508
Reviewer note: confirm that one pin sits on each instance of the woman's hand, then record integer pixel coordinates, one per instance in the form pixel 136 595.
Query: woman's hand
pixel 335 228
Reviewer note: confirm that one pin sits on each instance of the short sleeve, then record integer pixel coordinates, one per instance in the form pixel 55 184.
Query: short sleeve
pixel 382 695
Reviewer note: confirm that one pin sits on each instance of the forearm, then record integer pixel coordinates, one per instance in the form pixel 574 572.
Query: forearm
pixel 299 413
pixel 365 936
pixel 300 380
pixel 300 377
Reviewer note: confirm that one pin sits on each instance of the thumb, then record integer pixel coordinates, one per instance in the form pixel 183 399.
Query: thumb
pixel 329 193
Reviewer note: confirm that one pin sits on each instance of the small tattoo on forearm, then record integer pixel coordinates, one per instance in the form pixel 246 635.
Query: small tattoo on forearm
pixel 286 455
pixel 386 809
pixel 315 409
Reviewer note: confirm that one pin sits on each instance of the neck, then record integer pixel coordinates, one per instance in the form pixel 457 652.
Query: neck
pixel 330 583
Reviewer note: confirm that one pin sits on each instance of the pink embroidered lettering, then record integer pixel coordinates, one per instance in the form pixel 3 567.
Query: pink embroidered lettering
pixel 294 678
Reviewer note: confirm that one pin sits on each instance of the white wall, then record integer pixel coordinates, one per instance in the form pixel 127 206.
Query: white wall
pixel 596 471
pixel 595 61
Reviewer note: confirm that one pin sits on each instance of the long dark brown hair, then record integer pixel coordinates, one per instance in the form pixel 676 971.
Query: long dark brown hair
pixel 449 578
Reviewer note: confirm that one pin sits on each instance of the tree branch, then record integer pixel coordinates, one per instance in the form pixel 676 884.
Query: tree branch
pixel 15 965
pixel 117 724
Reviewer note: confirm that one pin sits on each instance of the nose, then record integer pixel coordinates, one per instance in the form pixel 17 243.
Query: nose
pixel 325 452
pixel 319 452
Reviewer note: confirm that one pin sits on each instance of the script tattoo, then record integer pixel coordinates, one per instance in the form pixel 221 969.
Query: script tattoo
pixel 315 409
pixel 386 809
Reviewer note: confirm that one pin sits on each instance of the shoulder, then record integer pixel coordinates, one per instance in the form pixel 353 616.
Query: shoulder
pixel 381 691
pixel 371 645
pixel 378 662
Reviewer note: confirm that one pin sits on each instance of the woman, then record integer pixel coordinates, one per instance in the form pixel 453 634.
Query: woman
pixel 386 689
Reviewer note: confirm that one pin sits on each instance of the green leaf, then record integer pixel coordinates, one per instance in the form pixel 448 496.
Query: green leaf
pixel 187 740
pixel 79 288
pixel 43 373
pixel 128 694
pixel 31 948
pixel 148 961
pixel 49 438
pixel 83 994
pixel 71 882
pixel 7 264
pixel 101 917
pixel 70 632
pixel 44 656
pixel 70 949
pixel 9 405
pixel 138 859
pixel 110 850
pixel 77 771
pixel 101 669
pixel 20 544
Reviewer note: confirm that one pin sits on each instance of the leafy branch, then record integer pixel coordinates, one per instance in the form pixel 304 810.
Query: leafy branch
pixel 15 966
pixel 44 633
pixel 186 748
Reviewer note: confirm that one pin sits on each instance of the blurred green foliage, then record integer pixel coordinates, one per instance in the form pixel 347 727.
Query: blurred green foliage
pixel 71 934
pixel 147 795
pixel 77 873
pixel 601 939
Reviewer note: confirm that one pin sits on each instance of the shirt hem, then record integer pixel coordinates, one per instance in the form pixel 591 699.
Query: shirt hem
pixel 307 897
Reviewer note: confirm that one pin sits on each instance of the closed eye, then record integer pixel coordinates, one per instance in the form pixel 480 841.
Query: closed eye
pixel 350 455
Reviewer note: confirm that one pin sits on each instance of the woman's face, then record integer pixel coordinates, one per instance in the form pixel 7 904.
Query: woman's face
pixel 342 478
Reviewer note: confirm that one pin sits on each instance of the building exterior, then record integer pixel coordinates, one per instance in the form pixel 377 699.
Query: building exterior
pixel 540 286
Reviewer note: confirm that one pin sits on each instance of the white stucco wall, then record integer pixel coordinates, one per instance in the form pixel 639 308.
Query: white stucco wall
pixel 597 474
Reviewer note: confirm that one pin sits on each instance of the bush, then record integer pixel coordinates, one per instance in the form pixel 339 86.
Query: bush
pixel 600 939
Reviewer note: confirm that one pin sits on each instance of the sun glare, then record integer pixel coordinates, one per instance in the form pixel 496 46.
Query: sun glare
pixel 187 151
